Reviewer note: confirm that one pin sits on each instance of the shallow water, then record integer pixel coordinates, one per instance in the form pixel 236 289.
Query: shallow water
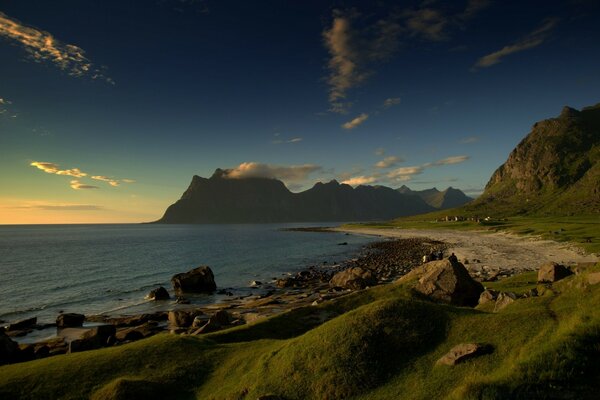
pixel 92 269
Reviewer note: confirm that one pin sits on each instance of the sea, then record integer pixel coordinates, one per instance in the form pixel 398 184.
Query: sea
pixel 109 269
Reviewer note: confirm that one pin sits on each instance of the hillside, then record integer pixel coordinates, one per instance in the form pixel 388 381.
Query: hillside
pixel 440 200
pixel 380 343
pixel 220 199
pixel 555 170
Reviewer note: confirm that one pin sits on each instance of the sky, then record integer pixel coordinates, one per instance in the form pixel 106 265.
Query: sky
pixel 109 107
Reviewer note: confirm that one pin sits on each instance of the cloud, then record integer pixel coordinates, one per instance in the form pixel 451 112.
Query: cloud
pixel 379 151
pixel 60 207
pixel 470 139
pixel 388 162
pixel 295 140
pixel 41 46
pixel 292 173
pixel 77 185
pixel 428 23
pixel 110 181
pixel 473 8
pixel 392 101
pixel 128 180
pixel 405 173
pixel 356 121
pixel 451 160
pixel 352 50
pixel 52 168
pixel 533 39
pixel 360 180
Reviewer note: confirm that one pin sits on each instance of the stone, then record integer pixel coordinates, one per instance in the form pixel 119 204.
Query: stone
pixel 285 282
pixel 9 350
pixel 210 326
pixel 594 278
pixel 552 272
pixel 504 299
pixel 182 300
pixel 449 282
pixel 221 317
pixel 255 284
pixel 22 324
pixel 487 296
pixel 353 278
pixel 137 332
pixel 463 352
pixel 159 293
pixel 93 338
pixel 183 318
pixel 197 280
pixel 69 320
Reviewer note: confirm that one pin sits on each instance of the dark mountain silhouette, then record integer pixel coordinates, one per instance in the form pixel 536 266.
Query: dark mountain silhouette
pixel 554 170
pixel 220 199
pixel 441 200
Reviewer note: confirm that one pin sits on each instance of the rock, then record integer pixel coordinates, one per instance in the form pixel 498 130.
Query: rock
pixel 594 278
pixel 199 321
pixel 159 293
pixel 210 326
pixel 221 317
pixel 353 278
pixel 463 352
pixel 22 324
pixel 93 338
pixel 198 280
pixel 504 299
pixel 449 282
pixel 488 296
pixel 69 320
pixel 255 284
pixel 136 332
pixel 285 282
pixel 552 272
pixel 9 350
pixel 183 318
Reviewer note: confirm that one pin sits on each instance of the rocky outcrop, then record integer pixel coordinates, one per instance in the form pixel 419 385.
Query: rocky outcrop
pixel 552 272
pixel 94 338
pixel 463 352
pixel 198 280
pixel 23 324
pixel 449 282
pixel 9 350
pixel 69 320
pixel 353 278
pixel 160 293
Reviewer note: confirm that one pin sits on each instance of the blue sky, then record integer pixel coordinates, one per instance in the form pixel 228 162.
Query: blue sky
pixel 140 98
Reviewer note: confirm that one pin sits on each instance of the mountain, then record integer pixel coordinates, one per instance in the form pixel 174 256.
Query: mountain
pixel 441 200
pixel 555 170
pixel 220 199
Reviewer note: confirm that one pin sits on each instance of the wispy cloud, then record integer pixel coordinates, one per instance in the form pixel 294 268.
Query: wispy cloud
pixel 282 140
pixel 389 162
pixel 77 185
pixel 380 151
pixel 52 168
pixel 360 180
pixel 405 173
pixel 469 139
pixel 356 121
pixel 291 173
pixel 352 49
pixel 59 206
pixel 295 140
pixel 41 46
pixel 531 40
pixel 427 23
pixel 392 101
pixel 451 160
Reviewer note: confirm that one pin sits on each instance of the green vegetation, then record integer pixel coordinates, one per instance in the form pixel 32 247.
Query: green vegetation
pixel 582 231
pixel 374 344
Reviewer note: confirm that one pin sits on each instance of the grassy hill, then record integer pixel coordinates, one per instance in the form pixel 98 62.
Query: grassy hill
pixel 381 343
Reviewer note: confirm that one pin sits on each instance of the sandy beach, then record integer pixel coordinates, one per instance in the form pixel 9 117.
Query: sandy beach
pixel 497 251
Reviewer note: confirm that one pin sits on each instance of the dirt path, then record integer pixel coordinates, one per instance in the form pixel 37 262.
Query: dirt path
pixel 497 251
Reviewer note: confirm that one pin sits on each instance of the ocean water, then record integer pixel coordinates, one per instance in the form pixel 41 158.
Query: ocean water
pixel 92 269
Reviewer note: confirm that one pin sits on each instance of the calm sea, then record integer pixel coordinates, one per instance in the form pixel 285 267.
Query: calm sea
pixel 93 269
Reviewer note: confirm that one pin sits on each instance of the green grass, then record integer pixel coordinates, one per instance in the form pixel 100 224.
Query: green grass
pixel 381 343
pixel 582 231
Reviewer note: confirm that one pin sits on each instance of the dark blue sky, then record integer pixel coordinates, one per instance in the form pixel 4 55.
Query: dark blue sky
pixel 425 93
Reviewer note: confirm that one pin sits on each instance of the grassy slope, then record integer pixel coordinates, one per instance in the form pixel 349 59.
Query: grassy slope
pixel 583 231
pixel 378 343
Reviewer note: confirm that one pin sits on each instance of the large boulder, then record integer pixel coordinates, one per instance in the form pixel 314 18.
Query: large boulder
pixel 9 350
pixel 198 280
pixel 353 278
pixel 552 272
pixel 69 320
pixel 93 338
pixel 159 293
pixel 22 324
pixel 449 282
pixel 183 318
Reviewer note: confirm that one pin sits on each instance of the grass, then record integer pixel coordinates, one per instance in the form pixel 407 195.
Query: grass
pixel 582 231
pixel 380 343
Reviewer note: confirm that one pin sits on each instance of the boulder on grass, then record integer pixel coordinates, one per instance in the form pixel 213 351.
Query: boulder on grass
pixel 504 299
pixel 9 350
pixel 353 278
pixel 198 280
pixel 463 352
pixel 449 282
pixel 488 296
pixel 69 320
pixel 552 272
pixel 160 293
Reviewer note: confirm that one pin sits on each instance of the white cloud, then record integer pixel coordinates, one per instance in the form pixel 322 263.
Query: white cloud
pixel 389 162
pixel 110 181
pixel 470 139
pixel 59 206
pixel 405 173
pixel 392 101
pixel 356 121
pixel 360 180
pixel 451 160
pixel 52 168
pixel 127 180
pixel 533 39
pixel 295 140
pixel 41 46
pixel 291 173
pixel 77 185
